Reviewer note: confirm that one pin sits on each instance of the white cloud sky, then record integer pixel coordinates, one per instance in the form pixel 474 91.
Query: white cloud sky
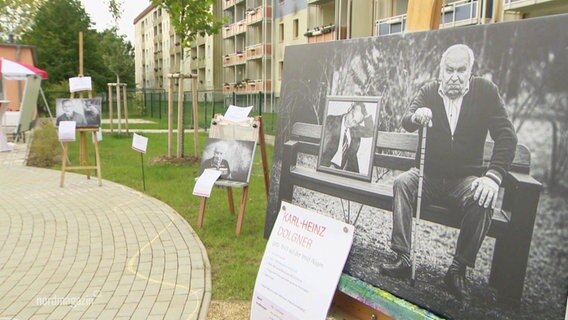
pixel 102 19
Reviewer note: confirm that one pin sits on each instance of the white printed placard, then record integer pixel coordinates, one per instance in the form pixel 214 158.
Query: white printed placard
pixel 139 143
pixel 205 182
pixel 77 84
pixel 301 266
pixel 237 114
pixel 67 130
pixel 98 135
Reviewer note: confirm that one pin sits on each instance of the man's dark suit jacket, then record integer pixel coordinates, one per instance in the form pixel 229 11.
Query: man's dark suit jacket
pixel 331 137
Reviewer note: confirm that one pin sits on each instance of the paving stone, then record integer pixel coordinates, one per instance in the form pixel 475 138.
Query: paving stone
pixel 76 254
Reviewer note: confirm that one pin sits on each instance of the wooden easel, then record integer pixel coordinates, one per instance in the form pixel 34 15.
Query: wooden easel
pixel 421 15
pixel 226 130
pixel 83 152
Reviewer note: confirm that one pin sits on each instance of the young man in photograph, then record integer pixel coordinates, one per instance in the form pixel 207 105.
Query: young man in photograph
pixel 342 137
pixel 461 109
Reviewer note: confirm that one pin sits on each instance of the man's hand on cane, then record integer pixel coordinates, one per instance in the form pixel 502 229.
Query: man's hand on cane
pixel 422 117
pixel 486 191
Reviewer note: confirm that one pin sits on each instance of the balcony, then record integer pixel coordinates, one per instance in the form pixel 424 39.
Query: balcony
pixel 257 51
pixel 228 31
pixel 318 2
pixel 321 34
pixel 526 5
pixel 391 25
pixel 233 29
pixel 229 88
pixel 227 4
pixel 258 14
pixel 254 86
pixel 240 27
pixel 228 60
pixel 236 58
pixel 240 57
pixel 464 13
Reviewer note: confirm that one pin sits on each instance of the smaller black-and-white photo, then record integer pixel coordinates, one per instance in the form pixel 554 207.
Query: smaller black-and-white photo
pixel 233 158
pixel 85 112
pixel 348 136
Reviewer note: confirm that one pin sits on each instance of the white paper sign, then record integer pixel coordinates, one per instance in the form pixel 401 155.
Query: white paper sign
pixel 301 265
pixel 139 143
pixel 98 135
pixel 205 182
pixel 67 130
pixel 77 84
pixel 237 114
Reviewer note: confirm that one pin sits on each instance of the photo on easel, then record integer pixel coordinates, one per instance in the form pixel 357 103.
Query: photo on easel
pixel 234 158
pixel 86 112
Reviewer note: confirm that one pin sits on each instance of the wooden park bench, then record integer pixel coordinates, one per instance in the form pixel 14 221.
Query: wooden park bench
pixel 513 220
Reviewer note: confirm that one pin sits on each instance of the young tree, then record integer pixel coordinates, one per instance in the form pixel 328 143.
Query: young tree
pixel 117 52
pixel 190 19
pixel 16 17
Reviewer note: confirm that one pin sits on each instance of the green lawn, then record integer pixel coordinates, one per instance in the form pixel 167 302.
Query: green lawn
pixel 234 260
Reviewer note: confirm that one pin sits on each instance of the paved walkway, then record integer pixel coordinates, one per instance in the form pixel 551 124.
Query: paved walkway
pixel 89 252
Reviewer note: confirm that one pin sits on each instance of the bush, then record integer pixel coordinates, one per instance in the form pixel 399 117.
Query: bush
pixel 45 150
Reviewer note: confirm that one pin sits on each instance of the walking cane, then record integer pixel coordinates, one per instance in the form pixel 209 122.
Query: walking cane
pixel 418 205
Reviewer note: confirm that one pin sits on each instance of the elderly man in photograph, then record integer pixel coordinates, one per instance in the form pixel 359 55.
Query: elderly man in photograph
pixel 218 162
pixel 342 137
pixel 460 110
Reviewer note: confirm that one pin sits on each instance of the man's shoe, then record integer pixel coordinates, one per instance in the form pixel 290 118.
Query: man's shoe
pixel 398 269
pixel 456 283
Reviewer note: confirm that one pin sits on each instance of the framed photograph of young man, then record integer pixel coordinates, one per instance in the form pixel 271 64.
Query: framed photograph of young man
pixel 349 135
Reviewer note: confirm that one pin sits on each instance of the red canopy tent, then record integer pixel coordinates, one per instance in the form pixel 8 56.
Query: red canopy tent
pixel 19 71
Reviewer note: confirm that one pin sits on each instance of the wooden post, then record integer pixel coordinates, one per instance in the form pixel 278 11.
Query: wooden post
pixel 423 15
pixel 118 111
pixel 201 215
pixel 230 200
pixel 195 116
pixel 125 97
pixel 80 54
pixel 242 208
pixel 170 114
pixel 110 106
pixel 64 163
pixel 180 118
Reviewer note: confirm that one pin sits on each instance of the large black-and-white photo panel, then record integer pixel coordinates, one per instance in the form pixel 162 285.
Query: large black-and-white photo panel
pixel 85 112
pixel 348 136
pixel 234 158
pixel 503 81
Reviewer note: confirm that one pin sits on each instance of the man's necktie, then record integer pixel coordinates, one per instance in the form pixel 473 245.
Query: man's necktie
pixel 344 148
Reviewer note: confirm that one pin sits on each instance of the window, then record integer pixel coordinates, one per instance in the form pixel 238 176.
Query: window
pixel 281 32
pixel 280 69
pixel 296 28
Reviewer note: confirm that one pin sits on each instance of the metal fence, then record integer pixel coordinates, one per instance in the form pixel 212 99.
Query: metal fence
pixel 153 104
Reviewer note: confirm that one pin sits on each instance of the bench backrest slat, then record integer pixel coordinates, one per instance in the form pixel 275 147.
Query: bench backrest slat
pixel 406 142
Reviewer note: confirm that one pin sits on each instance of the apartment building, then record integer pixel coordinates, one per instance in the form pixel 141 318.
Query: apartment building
pixel 248 49
pixel 158 53
pixel 247 57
